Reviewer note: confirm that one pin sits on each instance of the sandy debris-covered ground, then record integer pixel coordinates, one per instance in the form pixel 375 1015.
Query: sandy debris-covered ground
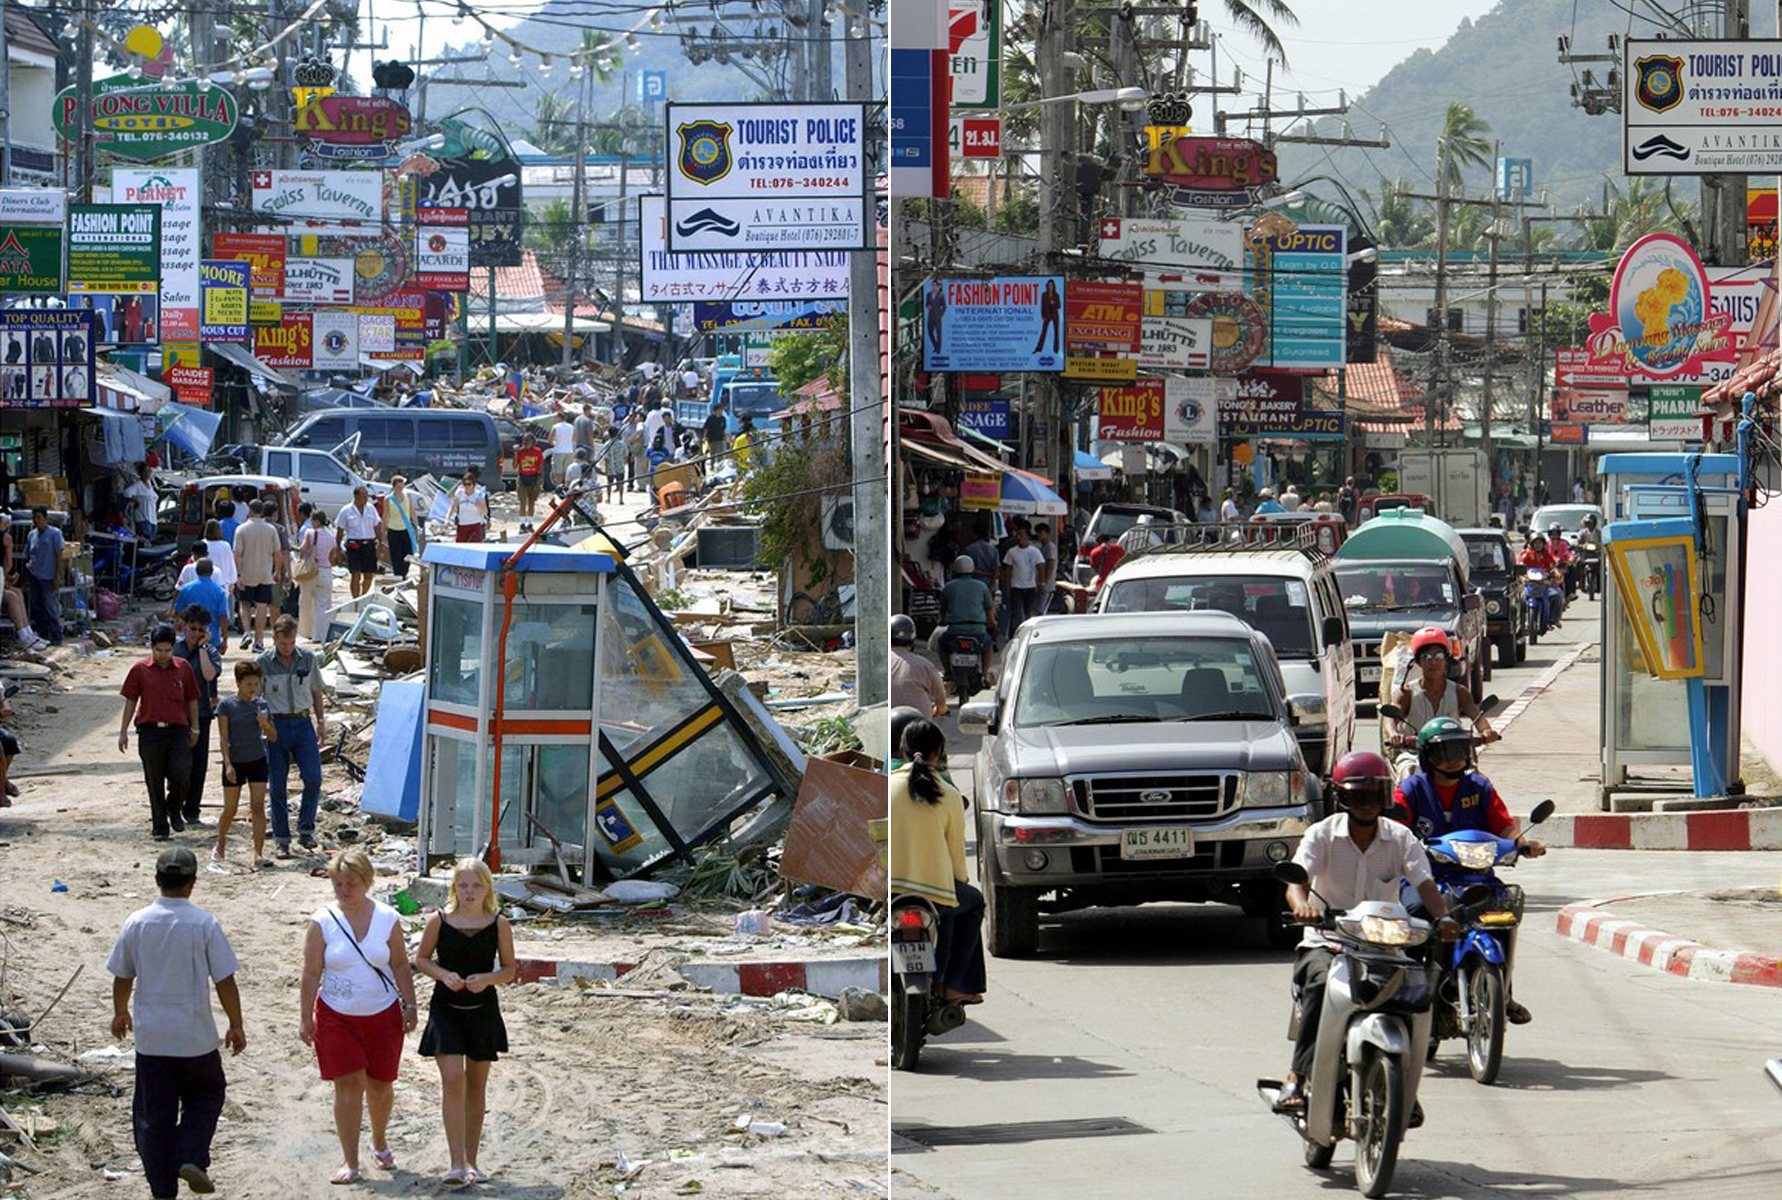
pixel 592 1077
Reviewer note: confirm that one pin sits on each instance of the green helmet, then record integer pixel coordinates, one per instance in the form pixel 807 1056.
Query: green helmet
pixel 1438 732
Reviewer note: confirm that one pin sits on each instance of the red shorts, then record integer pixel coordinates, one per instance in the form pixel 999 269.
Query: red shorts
pixel 470 533
pixel 346 1044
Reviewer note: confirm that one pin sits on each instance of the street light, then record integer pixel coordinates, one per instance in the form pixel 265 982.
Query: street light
pixel 1129 98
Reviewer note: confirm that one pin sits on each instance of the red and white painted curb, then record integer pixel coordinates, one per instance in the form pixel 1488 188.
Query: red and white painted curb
pixel 1718 829
pixel 820 976
pixel 1591 924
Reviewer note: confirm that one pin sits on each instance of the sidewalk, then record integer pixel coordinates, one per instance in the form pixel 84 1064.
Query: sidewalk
pixel 1697 935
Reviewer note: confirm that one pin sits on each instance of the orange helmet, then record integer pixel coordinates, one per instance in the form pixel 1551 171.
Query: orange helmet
pixel 1429 636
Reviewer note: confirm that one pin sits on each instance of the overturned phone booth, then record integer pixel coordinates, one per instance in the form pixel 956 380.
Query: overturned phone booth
pixel 554 682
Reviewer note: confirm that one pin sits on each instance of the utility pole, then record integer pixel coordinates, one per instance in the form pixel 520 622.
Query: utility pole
pixel 619 263
pixel 1058 130
pixel 5 99
pixel 1490 322
pixel 577 211
pixel 83 91
pixel 821 50
pixel 865 401
pixel 1723 196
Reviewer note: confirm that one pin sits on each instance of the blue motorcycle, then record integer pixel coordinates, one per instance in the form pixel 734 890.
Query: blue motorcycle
pixel 1474 982
pixel 1534 598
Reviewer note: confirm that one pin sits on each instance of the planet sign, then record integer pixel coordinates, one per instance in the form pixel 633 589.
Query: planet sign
pixel 1660 321
pixel 145 121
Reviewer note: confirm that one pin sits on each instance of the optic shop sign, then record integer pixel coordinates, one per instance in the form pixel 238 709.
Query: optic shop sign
pixel 767 177
pixel 141 121
pixel 1701 107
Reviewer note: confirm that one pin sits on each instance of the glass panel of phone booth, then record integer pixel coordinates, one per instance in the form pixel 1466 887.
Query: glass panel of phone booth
pixel 550 658
pixel 456 651
pixel 645 688
pixel 550 781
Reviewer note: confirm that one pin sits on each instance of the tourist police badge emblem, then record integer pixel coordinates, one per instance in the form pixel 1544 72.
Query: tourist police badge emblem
pixel 705 151
pixel 1660 82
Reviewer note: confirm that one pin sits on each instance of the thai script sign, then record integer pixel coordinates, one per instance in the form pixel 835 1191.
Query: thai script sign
pixel 146 121
pixel 1701 107
pixel 736 276
pixel 46 359
pixel 1675 414
pixel 1003 324
pixel 114 248
pixel 490 190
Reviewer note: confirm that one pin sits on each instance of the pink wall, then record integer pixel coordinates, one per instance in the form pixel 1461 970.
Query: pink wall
pixel 1760 699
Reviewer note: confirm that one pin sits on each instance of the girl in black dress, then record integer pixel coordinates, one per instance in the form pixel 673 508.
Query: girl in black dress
pixel 467 950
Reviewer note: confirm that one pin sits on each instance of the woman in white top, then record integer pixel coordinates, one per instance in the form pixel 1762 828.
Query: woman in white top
pixel 315 603
pixel 357 1004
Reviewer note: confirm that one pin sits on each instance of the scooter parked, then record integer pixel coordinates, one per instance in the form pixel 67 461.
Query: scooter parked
pixel 916 1010
pixel 1473 980
pixel 1373 1037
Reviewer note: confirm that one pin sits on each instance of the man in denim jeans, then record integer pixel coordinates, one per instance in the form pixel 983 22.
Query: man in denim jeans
pixel 292 689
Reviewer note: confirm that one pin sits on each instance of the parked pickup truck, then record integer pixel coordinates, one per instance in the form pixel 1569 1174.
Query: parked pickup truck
pixel 322 476
pixel 1131 758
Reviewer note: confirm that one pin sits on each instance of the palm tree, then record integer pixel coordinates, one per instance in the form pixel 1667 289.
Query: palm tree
pixel 1401 222
pixel 553 123
pixel 1463 143
pixel 1624 217
pixel 1254 19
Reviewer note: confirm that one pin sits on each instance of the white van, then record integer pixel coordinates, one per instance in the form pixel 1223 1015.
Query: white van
pixel 1287 595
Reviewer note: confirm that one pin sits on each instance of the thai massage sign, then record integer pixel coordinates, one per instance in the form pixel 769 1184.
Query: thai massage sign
pixel 1661 320
pixel 348 128
pixel 140 120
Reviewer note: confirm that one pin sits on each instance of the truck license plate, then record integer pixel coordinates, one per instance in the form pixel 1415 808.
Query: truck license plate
pixel 1156 843
pixel 1368 674
pixel 914 958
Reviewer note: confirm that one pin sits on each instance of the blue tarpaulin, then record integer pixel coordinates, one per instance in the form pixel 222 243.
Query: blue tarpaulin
pixel 393 774
pixel 191 429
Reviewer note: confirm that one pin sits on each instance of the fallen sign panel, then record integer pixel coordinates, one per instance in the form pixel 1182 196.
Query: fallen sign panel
pixel 830 841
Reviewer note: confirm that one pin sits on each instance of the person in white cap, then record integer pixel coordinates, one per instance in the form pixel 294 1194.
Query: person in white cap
pixel 1268 503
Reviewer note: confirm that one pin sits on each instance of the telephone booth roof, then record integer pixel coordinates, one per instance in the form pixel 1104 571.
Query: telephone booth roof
pixel 489 556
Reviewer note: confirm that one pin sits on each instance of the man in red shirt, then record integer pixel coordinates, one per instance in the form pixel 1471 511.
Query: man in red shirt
pixel 1536 555
pixel 161 694
pixel 529 465
pixel 1105 557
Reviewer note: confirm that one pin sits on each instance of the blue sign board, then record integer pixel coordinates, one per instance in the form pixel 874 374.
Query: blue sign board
pixel 223 311
pixel 1515 178
pixel 1011 323
pixel 1299 280
pixel 762 316
pixel 652 86
pixel 989 417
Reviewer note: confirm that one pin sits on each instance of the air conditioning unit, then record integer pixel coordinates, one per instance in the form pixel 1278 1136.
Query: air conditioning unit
pixel 838 522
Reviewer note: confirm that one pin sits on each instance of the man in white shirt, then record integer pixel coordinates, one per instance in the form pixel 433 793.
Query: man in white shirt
pixel 359 527
pixel 1228 509
pixel 690 382
pixel 653 421
pixel 1022 565
pixel 1352 856
pixel 562 447
pixel 142 500
pixel 1290 499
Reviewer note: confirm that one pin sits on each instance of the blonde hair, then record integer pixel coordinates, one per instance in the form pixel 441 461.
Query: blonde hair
pixel 479 868
pixel 353 863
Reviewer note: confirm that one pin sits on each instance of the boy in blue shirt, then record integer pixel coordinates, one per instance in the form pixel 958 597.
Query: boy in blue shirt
pixel 207 594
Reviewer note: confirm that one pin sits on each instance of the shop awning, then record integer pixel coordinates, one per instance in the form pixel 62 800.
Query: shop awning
pixel 938 454
pixel 1087 466
pixel 191 429
pixel 1024 495
pixel 230 352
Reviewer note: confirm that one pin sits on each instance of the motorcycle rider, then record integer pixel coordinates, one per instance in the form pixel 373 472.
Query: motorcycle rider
pixel 1561 552
pixel 966 607
pixel 1536 556
pixel 1446 795
pixel 1590 554
pixel 1351 856
pixel 1436 695
pixel 915 681
pixel 927 859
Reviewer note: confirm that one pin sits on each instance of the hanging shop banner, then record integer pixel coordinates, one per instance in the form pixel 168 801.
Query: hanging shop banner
pixel 490 190
pixel 342 128
pixel 1131 412
pixel 1004 324
pixel 1240 331
pixel 132 320
pixel 49 206
pixel 1185 251
pixel 988 416
pixel 176 191
pixel 1586 391
pixel 321 201
pixel 920 71
pixel 974 34
pixel 980 493
pixel 760 316
pixel 30 259
pixel 1265 404
pixel 1299 278
pixel 1661 320
pixel 335 345
pixel 1228 166
pixel 679 278
pixel 1701 107
pixel 225 291
pixel 191 385
pixel 319 281
pixel 975 137
pixel 286 344
pixel 442 249
pixel 1362 333
pixel 1103 316
pixel 768 177
pixel 265 255
pixel 47 360
pixel 1176 343
pixel 148 119
pixel 1191 408
pixel 1675 414
pixel 114 248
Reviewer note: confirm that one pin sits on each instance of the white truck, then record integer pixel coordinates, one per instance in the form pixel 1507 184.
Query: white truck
pixel 1456 481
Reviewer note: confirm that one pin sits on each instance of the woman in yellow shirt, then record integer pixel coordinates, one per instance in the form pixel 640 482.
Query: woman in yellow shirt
pixel 928 859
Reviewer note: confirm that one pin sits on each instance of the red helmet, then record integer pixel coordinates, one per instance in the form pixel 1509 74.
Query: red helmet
pixel 1362 773
pixel 1426 637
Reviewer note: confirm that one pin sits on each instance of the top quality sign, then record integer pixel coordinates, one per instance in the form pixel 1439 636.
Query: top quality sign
pixel 1701 107
pixel 767 177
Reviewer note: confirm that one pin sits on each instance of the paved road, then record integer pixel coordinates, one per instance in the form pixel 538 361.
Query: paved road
pixel 1121 1061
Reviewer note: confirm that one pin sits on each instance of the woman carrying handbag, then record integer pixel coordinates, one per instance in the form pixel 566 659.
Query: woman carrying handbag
pixel 316 554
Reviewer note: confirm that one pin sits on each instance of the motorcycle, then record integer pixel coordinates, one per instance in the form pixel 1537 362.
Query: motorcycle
pixel 1590 570
pixel 917 1012
pixel 1473 979
pixel 1373 1036
pixel 965 662
pixel 1534 598
pixel 1404 762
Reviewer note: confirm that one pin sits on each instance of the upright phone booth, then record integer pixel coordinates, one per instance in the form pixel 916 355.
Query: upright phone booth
pixel 1651 672
pixel 563 711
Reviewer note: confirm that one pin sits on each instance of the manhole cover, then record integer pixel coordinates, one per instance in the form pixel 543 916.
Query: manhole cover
pixel 1018 1131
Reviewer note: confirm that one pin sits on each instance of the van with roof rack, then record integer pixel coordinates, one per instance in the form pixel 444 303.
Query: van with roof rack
pixel 1277 578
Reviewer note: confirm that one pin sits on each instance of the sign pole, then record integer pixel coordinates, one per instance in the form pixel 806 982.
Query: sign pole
pixel 865 399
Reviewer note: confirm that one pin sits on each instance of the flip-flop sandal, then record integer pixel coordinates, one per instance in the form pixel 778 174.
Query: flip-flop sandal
pixel 1517 1015
pixel 475 1175
pixel 455 1177
pixel 385 1159
pixel 1292 1100
pixel 348 1175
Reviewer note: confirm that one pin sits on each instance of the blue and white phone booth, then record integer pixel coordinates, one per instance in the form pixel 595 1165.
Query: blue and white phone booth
pixel 560 696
